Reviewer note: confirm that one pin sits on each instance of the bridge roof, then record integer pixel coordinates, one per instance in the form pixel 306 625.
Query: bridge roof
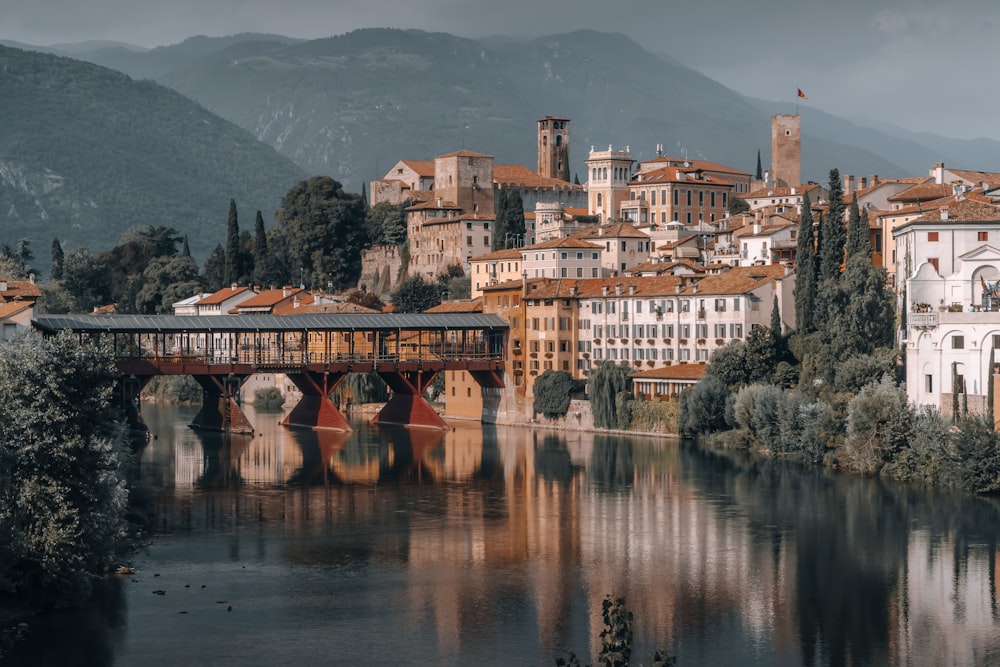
pixel 235 323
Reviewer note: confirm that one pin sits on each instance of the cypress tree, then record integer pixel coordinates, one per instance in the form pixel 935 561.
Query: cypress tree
pixel 833 236
pixel 500 230
pixel 805 270
pixel 232 246
pixel 858 241
pixel 776 319
pixel 185 249
pixel 515 218
pixel 259 241
pixel 56 271
pixel 760 172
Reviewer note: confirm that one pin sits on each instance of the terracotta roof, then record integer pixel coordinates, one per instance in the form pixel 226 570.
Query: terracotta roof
pixel 562 242
pixel 9 308
pixel 963 210
pixel 674 372
pixel 20 289
pixel 695 164
pixel 677 175
pixel 763 193
pixel 463 306
pixel 506 253
pixel 616 230
pixel 463 153
pixel 272 297
pixel 978 177
pixel 516 174
pixel 222 295
pixel 592 288
pixel 420 167
pixel 335 307
pixel 661 267
pixel 922 192
pixel 737 280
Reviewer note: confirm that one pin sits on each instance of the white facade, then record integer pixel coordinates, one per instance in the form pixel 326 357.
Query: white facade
pixel 949 267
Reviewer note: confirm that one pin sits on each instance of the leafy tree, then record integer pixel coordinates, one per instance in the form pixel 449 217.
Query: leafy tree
pixel 553 390
pixel 387 223
pixel 64 452
pixel 607 380
pixel 703 406
pixel 762 355
pixel 805 270
pixel 738 205
pixel 361 388
pixel 415 296
pixel 166 281
pixel 325 229
pixel 365 299
pixel 20 258
pixel 879 426
pixel 86 280
pixel 56 270
pixel 729 364
pixel 978 454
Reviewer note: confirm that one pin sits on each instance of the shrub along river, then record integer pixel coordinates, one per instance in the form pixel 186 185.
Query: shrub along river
pixel 496 546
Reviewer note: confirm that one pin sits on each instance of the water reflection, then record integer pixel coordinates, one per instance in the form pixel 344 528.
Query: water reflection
pixel 484 545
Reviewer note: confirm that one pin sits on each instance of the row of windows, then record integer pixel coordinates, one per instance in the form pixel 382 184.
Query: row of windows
pixel 958 342
pixel 499 266
pixel 652 331
pixel 663 306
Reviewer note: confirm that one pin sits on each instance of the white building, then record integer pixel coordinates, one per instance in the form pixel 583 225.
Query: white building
pixel 948 266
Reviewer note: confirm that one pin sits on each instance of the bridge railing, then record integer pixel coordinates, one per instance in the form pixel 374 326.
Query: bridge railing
pixel 291 359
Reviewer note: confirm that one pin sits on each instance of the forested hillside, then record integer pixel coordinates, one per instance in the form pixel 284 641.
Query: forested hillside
pixel 86 153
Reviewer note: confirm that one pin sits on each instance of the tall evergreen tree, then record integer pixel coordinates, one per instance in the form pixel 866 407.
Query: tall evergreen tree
pixel 515 218
pixel 259 242
pixel 214 271
pixel 185 248
pixel 759 175
pixel 805 270
pixel 232 269
pixel 858 239
pixel 500 231
pixel 833 234
pixel 56 270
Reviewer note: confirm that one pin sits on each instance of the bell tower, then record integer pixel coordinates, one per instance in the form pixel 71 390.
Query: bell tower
pixel 786 146
pixel 553 147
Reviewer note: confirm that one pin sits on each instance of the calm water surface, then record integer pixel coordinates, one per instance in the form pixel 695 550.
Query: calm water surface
pixel 496 546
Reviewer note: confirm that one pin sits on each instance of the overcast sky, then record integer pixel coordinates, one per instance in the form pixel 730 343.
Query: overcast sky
pixel 925 65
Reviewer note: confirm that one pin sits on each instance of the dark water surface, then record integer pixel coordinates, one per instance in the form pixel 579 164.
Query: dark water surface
pixel 496 546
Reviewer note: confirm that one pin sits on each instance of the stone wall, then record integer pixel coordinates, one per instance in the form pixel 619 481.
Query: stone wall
pixel 381 269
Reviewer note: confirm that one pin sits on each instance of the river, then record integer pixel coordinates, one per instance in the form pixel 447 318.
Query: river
pixel 496 546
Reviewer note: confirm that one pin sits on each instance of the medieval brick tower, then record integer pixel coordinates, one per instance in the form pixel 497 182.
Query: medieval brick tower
pixel 553 147
pixel 786 149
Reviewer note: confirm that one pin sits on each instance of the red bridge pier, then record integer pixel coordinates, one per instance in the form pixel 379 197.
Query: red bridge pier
pixel 220 404
pixel 316 409
pixel 407 405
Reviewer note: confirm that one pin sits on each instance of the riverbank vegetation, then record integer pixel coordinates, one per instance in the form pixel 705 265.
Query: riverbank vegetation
pixel 65 455
pixel 831 393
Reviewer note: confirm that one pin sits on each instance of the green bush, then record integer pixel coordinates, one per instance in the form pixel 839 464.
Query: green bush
pixel 553 391
pixel 174 389
pixel 703 407
pixel 268 399
pixel 656 416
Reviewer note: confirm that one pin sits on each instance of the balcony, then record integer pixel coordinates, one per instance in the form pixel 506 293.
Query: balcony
pixel 922 320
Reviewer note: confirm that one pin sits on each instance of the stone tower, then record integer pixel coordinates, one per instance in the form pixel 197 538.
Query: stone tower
pixel 786 149
pixel 609 173
pixel 465 179
pixel 553 147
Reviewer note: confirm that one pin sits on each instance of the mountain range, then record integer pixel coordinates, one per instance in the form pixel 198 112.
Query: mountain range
pixel 350 106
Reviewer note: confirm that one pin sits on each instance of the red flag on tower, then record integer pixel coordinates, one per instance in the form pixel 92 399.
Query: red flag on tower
pixel 802 95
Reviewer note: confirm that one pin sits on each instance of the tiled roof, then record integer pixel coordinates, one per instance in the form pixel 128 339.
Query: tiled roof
pixel 677 175
pixel 464 153
pixel 763 193
pixel 222 295
pixel 922 192
pixel 963 210
pixel 737 280
pixel 592 288
pixel 270 298
pixel 978 177
pixel 421 167
pixel 674 372
pixel 661 267
pixel 516 174
pixel 432 204
pixel 562 242
pixel 696 164
pixel 20 289
pixel 620 230
pixel 506 253
pixel 335 307
pixel 463 306
pixel 9 308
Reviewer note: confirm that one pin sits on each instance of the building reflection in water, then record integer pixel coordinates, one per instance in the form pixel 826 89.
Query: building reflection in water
pixel 496 528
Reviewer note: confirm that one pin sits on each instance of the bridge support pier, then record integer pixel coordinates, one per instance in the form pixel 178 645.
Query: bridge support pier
pixel 220 404
pixel 315 409
pixel 131 387
pixel 407 405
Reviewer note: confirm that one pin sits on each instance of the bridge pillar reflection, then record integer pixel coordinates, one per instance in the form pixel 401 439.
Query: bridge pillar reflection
pixel 316 409
pixel 407 405
pixel 220 404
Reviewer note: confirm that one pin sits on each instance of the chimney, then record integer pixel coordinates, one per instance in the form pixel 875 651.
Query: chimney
pixel 573 292
pixel 873 180
pixel 3 285
pixel 631 290
pixel 31 276
pixel 439 202
pixel 233 287
pixel 286 291
pixel 296 302
pixel 618 289
pixel 863 183
pixel 944 212
pixel 848 185
pixel 604 290
pixel 938 173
